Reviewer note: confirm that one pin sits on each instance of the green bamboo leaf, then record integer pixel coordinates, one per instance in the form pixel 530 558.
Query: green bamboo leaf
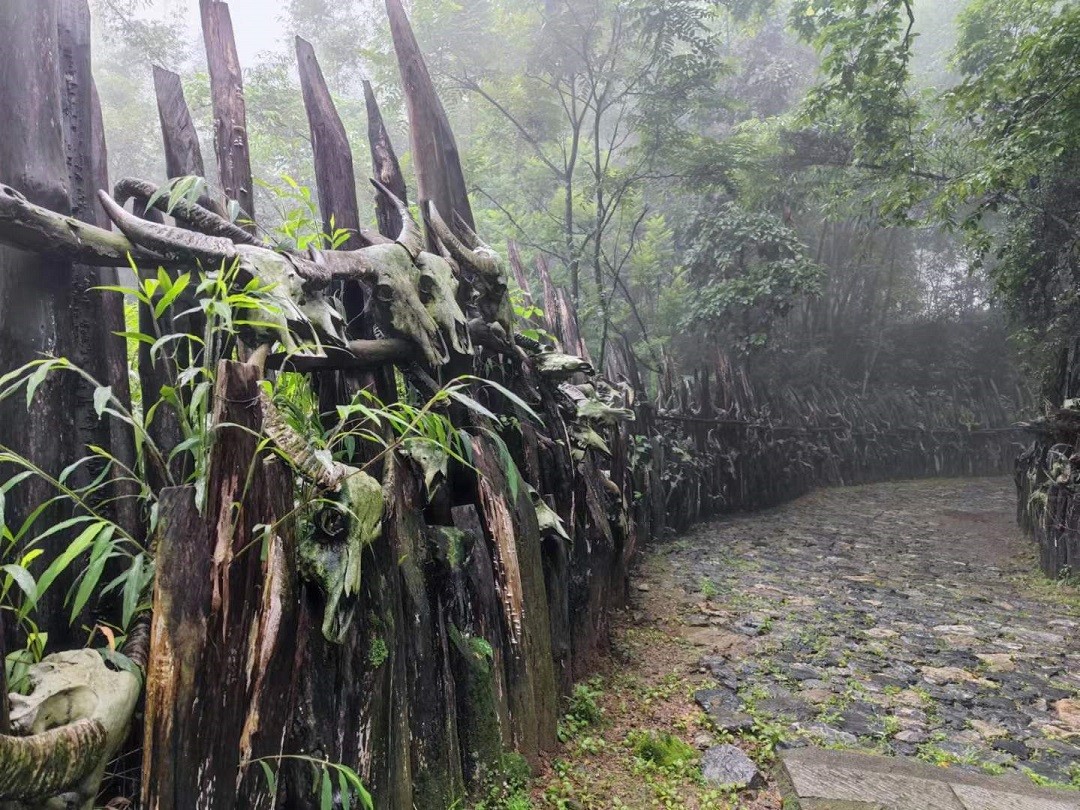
pixel 5 487
pixel 133 586
pixel 25 580
pixel 471 404
pixel 171 294
pixel 102 395
pixel 28 523
pixel 271 778
pixel 35 381
pixel 71 553
pixel 136 336
pixel 358 786
pixel 344 790
pixel 92 576
pixel 62 526
pixel 326 800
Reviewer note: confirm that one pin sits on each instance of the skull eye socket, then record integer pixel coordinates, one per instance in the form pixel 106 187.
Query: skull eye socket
pixel 330 522
pixel 427 288
pixel 385 293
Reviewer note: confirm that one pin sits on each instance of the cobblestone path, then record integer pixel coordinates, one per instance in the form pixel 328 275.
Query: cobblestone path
pixel 904 618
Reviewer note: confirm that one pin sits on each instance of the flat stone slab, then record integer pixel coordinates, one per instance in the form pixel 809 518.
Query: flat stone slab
pixel 843 780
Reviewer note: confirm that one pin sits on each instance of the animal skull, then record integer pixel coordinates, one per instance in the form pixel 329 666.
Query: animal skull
pixel 438 290
pixel 330 555
pixel 66 688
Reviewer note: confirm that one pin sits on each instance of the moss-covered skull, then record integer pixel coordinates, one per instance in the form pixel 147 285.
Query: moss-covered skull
pixel 303 308
pixel 330 554
pixel 484 269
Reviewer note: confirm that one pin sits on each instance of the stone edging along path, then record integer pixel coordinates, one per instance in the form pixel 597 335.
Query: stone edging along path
pixel 844 780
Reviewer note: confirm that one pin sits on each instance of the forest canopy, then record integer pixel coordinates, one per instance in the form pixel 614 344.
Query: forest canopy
pixel 804 182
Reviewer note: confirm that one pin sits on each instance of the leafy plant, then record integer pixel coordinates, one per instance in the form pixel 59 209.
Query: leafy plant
pixel 335 784
pixel 300 226
pixel 582 710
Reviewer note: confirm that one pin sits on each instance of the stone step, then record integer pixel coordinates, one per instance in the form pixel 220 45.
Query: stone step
pixel 821 779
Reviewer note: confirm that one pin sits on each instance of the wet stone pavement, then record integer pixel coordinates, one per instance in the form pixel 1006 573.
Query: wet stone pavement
pixel 905 619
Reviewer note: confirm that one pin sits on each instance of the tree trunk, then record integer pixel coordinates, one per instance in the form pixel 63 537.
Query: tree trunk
pixel 230 112
pixel 34 292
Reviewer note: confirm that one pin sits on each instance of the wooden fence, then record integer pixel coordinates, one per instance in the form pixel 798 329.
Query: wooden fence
pixel 481 599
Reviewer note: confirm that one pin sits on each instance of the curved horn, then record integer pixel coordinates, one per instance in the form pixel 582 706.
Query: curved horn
pixel 482 261
pixel 343 264
pixel 173 243
pixel 297 449
pixel 373 237
pixel 471 239
pixel 41 766
pixel 197 216
pixel 411 237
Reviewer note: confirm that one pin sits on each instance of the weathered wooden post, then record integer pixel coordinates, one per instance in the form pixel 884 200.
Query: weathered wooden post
pixel 385 165
pixel 36 293
pixel 435 152
pixel 230 112
pixel 183 154
pixel 224 628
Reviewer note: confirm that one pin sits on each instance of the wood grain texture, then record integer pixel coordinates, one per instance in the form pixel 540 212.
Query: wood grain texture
pixel 385 165
pixel 224 627
pixel 439 175
pixel 230 112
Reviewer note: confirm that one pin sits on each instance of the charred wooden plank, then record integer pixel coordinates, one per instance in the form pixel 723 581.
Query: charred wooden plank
pixel 224 621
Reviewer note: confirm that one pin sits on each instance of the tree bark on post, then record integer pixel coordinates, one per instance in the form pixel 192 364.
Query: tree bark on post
pixel 385 165
pixel 439 175
pixel 183 154
pixel 33 290
pixel 220 676
pixel 230 112
pixel 94 317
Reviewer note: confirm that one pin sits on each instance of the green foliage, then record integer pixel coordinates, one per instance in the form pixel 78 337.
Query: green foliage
pixel 378 653
pixel 865 48
pixel 88 486
pixel 507 788
pixel 582 710
pixel 96 539
pixel 749 270
pixel 300 225
pixel 336 785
